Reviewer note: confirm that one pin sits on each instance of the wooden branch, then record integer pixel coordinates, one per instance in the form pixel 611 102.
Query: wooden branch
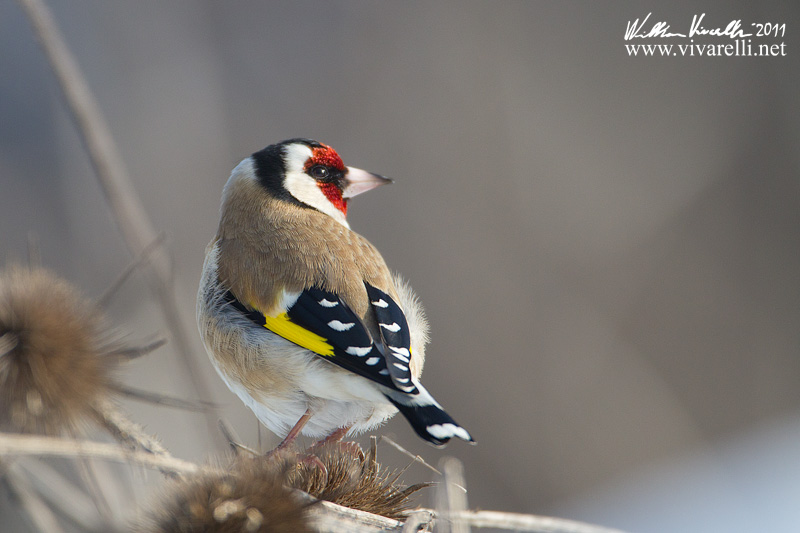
pixel 136 228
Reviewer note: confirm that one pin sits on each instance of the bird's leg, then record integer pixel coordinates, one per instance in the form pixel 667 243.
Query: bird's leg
pixel 294 432
pixel 336 436
pixel 305 458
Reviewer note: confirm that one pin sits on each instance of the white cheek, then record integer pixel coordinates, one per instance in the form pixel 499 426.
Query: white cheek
pixel 305 188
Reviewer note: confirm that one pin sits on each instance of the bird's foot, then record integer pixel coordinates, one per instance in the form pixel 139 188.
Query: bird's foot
pixel 335 440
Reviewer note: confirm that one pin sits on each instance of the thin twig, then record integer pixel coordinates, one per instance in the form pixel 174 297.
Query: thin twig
pixel 88 474
pixel 53 486
pixel 131 353
pixel 530 523
pixel 402 450
pixel 130 434
pixel 39 513
pixel 136 228
pixel 137 262
pixel 17 444
pixel 233 439
pixel 160 399
pixel 93 489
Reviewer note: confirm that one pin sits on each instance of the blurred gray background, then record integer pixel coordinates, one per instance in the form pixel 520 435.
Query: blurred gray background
pixel 608 247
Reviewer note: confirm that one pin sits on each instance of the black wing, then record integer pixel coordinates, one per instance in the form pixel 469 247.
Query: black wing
pixel 395 338
pixel 321 322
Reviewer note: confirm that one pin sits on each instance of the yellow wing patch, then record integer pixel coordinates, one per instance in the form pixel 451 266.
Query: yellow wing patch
pixel 282 325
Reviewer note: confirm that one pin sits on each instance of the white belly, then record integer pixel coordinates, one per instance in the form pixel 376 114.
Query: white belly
pixel 336 397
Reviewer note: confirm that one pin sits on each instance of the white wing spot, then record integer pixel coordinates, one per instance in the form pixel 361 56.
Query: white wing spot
pixel 384 372
pixel 442 431
pixel 401 353
pixel 462 433
pixel 394 327
pixel 340 326
pixel 327 303
pixel 402 380
pixel 380 303
pixel 373 361
pixel 357 350
pixel 445 431
pixel 401 367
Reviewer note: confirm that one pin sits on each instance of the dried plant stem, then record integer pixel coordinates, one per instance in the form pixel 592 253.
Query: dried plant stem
pixel 330 517
pixel 159 399
pixel 417 520
pixel 94 490
pixel 451 497
pixel 129 354
pixel 526 522
pixel 130 434
pixel 326 516
pixel 135 264
pixel 39 513
pixel 78 508
pixel 416 458
pixel 234 441
pixel 16 444
pixel 128 211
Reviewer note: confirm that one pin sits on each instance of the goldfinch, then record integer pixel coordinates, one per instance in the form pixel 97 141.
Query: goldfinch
pixel 300 315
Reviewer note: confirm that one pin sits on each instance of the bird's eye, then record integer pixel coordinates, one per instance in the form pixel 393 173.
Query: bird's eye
pixel 319 172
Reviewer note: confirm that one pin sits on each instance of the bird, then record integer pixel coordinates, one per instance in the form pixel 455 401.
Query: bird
pixel 300 315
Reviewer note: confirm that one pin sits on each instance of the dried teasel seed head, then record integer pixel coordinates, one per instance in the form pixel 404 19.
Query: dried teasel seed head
pixel 250 497
pixel 355 480
pixel 53 365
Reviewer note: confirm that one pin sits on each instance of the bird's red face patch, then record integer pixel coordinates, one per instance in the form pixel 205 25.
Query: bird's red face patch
pixel 327 157
pixel 333 193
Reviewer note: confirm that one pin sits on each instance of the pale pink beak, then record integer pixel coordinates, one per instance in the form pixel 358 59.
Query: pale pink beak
pixel 358 181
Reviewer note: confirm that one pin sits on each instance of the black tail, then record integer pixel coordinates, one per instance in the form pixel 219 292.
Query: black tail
pixel 428 418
